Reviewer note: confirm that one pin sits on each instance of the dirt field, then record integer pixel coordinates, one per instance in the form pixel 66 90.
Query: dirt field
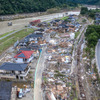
pixel 20 23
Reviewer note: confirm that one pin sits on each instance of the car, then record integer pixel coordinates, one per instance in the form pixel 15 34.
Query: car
pixel 20 95
pixel 9 23
pixel 27 90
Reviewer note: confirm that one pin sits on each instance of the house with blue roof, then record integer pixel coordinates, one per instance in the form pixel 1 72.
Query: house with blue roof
pixel 19 70
pixel 97 19
pixel 24 56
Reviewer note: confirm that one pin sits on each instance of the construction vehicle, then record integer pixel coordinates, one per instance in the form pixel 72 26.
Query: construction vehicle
pixel 9 23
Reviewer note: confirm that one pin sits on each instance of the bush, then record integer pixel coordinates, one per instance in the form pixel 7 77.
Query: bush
pixel 53 10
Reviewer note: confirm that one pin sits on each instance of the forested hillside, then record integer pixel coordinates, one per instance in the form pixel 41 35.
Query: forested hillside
pixel 27 6
pixel 92 2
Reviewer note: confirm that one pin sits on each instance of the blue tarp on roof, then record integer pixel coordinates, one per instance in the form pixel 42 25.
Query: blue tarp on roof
pixel 21 55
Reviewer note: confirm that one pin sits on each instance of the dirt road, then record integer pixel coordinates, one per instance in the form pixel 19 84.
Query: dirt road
pixel 20 23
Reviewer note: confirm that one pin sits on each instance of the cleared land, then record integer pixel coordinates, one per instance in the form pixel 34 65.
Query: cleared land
pixel 20 23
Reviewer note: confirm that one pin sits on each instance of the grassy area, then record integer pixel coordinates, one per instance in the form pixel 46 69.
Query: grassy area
pixel 10 40
pixel 6 34
pixel 64 18
pixel 76 34
pixel 90 19
pixel 53 10
pixel 45 80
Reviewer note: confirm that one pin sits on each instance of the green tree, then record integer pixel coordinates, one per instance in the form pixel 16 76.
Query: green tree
pixel 84 10
pixel 27 6
pixel 92 39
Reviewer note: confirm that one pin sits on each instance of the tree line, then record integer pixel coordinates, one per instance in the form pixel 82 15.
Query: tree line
pixel 92 35
pixel 89 13
pixel 90 2
pixel 29 6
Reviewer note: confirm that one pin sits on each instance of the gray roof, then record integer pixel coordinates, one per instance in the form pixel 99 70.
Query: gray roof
pixel 34 36
pixel 40 30
pixel 5 90
pixel 13 66
pixel 25 49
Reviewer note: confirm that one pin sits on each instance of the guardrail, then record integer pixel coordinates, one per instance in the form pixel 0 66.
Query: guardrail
pixel 96 59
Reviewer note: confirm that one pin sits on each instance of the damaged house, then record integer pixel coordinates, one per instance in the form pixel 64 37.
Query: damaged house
pixel 24 57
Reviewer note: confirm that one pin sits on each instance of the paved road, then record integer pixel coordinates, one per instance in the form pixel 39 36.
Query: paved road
pixel 98 56
pixel 38 76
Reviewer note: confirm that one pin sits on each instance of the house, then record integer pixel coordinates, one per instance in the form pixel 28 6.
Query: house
pixel 23 43
pixel 97 16
pixel 64 28
pixel 55 22
pixel 5 90
pixel 35 49
pixel 24 49
pixel 71 18
pixel 33 23
pixel 71 28
pixel 35 37
pixel 34 46
pixel 38 32
pixel 24 56
pixel 41 30
pixel 18 70
pixel 43 24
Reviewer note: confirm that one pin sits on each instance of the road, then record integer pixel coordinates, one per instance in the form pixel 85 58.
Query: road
pixel 38 76
pixel 82 30
pixel 98 56
pixel 74 62
pixel 11 33
pixel 78 66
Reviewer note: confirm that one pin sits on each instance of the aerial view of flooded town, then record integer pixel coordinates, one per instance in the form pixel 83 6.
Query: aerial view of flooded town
pixel 49 50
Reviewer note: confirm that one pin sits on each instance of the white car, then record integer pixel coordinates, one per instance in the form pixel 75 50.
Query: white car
pixel 20 95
